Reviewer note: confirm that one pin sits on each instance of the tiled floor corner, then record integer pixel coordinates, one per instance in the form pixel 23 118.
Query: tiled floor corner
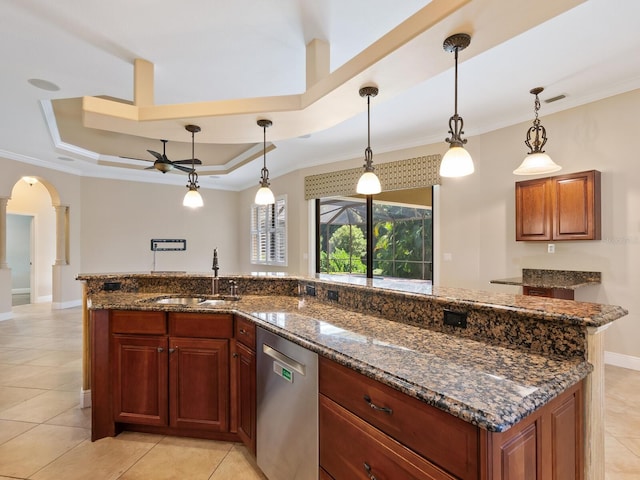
pixel 44 435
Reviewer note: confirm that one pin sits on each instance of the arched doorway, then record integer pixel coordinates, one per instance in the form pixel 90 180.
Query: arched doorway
pixel 37 198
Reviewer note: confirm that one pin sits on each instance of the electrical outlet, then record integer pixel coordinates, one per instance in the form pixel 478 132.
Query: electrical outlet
pixel 551 248
pixel 332 295
pixel 310 290
pixel 455 319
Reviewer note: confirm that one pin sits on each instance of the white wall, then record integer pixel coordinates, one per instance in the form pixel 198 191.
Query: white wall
pixel 119 219
pixel 476 214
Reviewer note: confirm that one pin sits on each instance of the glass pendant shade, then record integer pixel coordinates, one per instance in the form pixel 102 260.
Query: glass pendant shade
pixel 369 184
pixel 456 163
pixel 264 196
pixel 193 199
pixel 537 163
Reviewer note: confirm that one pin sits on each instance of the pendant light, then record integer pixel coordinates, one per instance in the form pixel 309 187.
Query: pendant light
pixel 264 195
pixel 456 162
pixel 369 184
pixel 193 198
pixel 536 162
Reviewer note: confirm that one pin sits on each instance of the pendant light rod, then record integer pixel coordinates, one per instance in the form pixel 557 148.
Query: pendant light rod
pixel 537 128
pixel 192 198
pixel 368 153
pixel 454 44
pixel 264 195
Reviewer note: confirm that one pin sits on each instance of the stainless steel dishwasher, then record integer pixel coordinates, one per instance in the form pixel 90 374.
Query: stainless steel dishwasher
pixel 287 409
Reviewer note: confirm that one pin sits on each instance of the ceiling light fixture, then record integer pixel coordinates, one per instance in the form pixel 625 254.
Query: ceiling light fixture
pixel 193 198
pixel 456 162
pixel 536 162
pixel 30 180
pixel 264 195
pixel 369 184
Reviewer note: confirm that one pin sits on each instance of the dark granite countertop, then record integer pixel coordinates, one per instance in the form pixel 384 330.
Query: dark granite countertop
pixel 566 279
pixel 487 385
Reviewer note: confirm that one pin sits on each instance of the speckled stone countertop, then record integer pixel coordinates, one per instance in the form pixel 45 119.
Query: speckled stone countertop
pixel 485 384
pixel 567 279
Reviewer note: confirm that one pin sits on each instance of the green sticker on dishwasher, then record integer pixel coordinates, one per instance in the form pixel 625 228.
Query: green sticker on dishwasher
pixel 286 374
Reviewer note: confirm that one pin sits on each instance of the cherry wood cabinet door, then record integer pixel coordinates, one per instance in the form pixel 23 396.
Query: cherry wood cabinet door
pixel 199 383
pixel 533 210
pixel 350 448
pixel 139 379
pixel 576 206
pixel 246 395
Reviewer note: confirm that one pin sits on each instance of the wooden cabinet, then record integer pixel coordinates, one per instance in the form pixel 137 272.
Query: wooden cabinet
pixel 139 381
pixel 368 429
pixel 199 383
pixel 564 207
pixel 244 358
pixel 564 293
pixel 168 373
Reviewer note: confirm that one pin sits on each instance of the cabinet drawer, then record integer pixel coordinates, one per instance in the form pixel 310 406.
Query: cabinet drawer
pixel 411 422
pixel 564 293
pixel 351 448
pixel 132 321
pixel 246 332
pixel 201 325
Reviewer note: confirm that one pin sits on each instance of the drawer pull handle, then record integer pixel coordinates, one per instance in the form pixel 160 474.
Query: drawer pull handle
pixel 243 331
pixel 376 407
pixel 160 349
pixel 368 469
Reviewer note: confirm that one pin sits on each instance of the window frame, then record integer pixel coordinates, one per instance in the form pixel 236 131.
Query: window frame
pixel 262 252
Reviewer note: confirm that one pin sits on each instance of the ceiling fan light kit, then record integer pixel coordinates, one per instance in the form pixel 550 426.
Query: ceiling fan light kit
pixel 537 161
pixel 193 198
pixel 163 164
pixel 457 161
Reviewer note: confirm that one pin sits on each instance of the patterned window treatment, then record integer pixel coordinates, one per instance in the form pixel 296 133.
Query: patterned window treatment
pixel 400 175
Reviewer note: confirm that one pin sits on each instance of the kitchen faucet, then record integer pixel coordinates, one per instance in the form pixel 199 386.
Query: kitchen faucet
pixel 215 267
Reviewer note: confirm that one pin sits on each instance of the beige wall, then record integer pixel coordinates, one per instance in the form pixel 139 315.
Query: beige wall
pixel 476 214
pixel 119 219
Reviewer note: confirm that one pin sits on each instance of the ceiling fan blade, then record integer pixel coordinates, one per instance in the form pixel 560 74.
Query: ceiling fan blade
pixel 185 162
pixel 152 167
pixel 155 154
pixel 134 158
pixel 184 169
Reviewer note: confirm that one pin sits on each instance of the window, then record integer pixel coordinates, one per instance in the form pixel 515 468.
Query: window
pixel 269 233
pixel 402 235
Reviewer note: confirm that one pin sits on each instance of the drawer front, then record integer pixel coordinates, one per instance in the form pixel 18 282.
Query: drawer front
pixel 246 332
pixel 352 449
pixel 537 291
pixel 132 321
pixel 426 430
pixel 201 325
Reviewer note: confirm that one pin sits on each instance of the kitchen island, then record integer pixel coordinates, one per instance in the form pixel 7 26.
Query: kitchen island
pixel 514 356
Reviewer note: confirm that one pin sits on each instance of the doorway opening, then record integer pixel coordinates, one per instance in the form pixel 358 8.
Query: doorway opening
pixel 20 257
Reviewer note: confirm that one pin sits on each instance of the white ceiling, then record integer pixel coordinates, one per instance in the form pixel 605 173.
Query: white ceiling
pixel 204 50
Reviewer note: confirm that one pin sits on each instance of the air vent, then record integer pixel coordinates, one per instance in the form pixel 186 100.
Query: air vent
pixel 555 99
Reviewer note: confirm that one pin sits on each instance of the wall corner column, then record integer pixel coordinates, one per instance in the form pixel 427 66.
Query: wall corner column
pixel 594 406
pixel 62 234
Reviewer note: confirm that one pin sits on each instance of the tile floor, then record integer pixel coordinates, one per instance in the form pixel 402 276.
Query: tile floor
pixel 44 435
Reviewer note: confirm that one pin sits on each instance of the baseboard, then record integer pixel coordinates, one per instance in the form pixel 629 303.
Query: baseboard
pixel 63 305
pixel 43 299
pixel 622 360
pixel 20 291
pixel 85 398
pixel 6 316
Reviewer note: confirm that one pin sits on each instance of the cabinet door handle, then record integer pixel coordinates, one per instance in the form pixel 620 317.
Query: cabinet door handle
pixel 234 355
pixel 367 467
pixel 160 349
pixel 171 350
pixel 376 407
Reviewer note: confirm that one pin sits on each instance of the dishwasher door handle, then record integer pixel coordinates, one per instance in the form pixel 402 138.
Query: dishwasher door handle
pixel 282 358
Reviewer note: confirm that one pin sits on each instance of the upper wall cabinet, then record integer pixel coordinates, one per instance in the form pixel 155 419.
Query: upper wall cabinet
pixel 565 207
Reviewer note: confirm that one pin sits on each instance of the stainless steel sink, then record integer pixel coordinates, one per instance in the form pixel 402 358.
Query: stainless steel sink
pixel 198 300
pixel 180 300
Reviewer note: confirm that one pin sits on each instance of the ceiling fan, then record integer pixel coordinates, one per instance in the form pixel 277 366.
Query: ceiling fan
pixel 163 164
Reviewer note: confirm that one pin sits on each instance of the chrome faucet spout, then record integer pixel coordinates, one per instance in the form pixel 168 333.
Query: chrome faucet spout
pixel 215 267
pixel 214 286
